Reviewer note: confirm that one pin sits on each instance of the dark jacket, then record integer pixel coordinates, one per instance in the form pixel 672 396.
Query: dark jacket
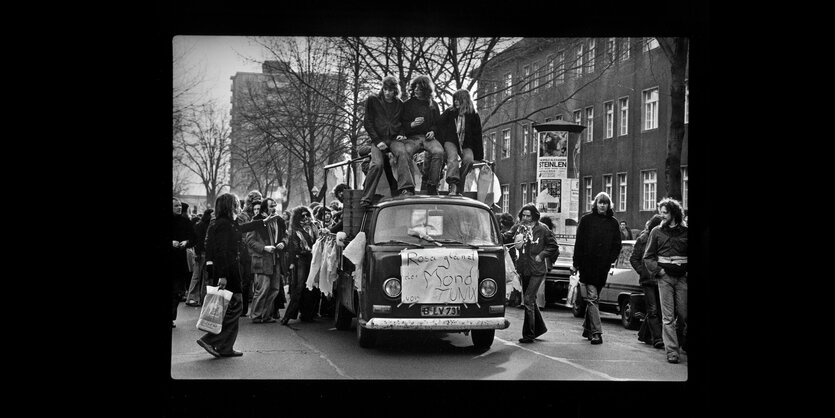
pixel 637 258
pixel 200 230
pixel 297 252
pixel 381 124
pixel 224 242
pixel 262 261
pixel 666 242
pixel 472 132
pixel 542 243
pixel 597 247
pixel 415 107
pixel 182 230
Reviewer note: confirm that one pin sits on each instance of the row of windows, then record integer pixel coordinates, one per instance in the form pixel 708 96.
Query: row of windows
pixel 556 67
pixel 649 194
pixel 649 115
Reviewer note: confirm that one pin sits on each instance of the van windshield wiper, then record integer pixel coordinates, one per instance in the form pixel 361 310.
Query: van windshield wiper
pixel 452 241
pixel 397 241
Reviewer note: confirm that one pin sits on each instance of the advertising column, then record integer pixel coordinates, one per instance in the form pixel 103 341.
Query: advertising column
pixel 553 193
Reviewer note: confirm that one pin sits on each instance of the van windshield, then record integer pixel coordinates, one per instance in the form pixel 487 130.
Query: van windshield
pixel 445 224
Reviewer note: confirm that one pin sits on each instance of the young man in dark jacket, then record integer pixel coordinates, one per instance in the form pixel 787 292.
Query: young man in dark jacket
pixel 650 331
pixel 382 122
pixel 666 259
pixel 420 120
pixel 596 248
pixel 536 245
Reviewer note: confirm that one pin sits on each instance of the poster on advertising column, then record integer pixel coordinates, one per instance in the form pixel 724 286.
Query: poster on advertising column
pixel 552 176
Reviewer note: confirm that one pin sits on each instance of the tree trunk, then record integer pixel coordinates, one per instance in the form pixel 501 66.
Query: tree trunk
pixel 675 140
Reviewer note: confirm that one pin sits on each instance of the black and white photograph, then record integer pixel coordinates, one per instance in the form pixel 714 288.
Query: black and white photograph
pixel 414 209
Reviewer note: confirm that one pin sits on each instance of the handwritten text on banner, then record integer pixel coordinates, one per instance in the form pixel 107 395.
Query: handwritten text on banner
pixel 439 275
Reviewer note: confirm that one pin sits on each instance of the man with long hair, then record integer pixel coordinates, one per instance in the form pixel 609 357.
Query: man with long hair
pixel 383 125
pixel 666 259
pixel 536 245
pixel 420 120
pixel 597 246
pixel 460 128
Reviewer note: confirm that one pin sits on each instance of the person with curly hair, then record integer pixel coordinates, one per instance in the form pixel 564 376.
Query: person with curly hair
pixel 301 237
pixel 420 119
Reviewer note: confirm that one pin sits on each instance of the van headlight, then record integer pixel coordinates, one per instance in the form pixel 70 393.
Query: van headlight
pixel 392 287
pixel 488 288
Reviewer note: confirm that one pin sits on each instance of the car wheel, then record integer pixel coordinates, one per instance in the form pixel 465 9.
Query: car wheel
pixel 365 337
pixel 483 338
pixel 341 316
pixel 627 315
pixel 578 306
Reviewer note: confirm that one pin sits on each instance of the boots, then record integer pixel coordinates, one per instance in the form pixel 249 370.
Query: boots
pixel 453 190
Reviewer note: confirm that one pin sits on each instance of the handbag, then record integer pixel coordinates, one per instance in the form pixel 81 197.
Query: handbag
pixel 214 309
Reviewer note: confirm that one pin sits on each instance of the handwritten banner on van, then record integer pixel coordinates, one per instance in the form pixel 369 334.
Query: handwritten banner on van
pixel 439 275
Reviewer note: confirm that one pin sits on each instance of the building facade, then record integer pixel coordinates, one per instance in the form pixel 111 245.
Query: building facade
pixel 618 88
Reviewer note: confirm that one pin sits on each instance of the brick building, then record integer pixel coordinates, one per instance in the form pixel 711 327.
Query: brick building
pixel 618 88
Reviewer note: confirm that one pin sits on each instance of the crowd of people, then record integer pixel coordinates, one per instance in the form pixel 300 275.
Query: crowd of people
pixel 259 255
pixel 659 257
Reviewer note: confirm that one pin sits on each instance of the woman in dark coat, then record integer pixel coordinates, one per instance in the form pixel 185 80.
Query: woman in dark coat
pixel 460 128
pixel 596 248
pixel 301 238
pixel 224 244
pixel 182 238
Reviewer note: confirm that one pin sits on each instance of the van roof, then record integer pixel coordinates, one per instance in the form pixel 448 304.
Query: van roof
pixel 424 199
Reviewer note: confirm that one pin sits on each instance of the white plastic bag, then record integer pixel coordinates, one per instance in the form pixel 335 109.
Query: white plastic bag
pixel 214 309
pixel 511 276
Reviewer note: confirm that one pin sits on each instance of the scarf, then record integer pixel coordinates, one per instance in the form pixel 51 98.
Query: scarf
pixel 459 127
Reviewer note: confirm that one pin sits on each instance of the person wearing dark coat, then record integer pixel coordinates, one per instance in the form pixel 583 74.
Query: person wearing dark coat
pixel 460 131
pixel 264 244
pixel 182 237
pixel 197 288
pixel 301 238
pixel 597 246
pixel 536 245
pixel 224 245
pixel 650 331
pixel 383 124
pixel 420 122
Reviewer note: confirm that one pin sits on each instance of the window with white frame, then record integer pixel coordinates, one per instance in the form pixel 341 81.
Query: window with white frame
pixel 623 120
pixel 524 194
pixel 493 145
pixel 650 109
pixel 589 197
pixel 650 44
pixel 686 102
pixel 609 108
pixel 506 143
pixel 648 181
pixel 505 198
pixel 549 78
pixel 508 84
pixel 607 184
pixel 536 75
pixel 589 124
pixel 622 192
pixel 624 49
pixel 684 187
pixel 526 137
pixel 610 50
pixel 578 62
pixel 486 140
pixel 560 67
pixel 558 117
pixel 534 192
pixel 578 117
pixel 526 74
pixel 592 51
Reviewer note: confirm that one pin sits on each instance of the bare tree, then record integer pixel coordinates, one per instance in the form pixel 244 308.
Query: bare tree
pixel 203 147
pixel 180 184
pixel 187 77
pixel 676 51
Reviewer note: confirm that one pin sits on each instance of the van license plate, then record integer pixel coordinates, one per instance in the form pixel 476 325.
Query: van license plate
pixel 440 310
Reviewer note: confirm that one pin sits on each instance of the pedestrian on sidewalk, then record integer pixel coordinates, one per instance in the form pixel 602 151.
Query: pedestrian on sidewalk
pixel 536 244
pixel 666 259
pixel 597 246
pixel 253 200
pixel 650 331
pixel 224 241
pixel 263 248
pixel 300 243
pixel 197 288
pixel 182 237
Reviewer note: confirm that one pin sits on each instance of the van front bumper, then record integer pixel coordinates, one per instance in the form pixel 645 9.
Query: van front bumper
pixel 436 324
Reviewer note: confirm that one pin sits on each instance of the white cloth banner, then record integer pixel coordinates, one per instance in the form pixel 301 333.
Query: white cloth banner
pixel 439 275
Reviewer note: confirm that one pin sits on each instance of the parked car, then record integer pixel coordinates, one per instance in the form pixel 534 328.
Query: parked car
pixel 622 294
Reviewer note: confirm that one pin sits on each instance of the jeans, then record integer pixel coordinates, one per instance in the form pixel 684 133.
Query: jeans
pixel 197 288
pixel 434 160
pixel 225 340
pixel 454 173
pixel 673 294
pixel 591 296
pixel 405 179
pixel 534 325
pixel 652 321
